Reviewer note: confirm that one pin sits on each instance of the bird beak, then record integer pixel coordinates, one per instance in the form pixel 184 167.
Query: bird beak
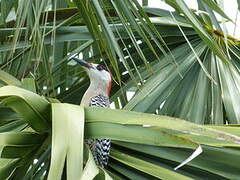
pixel 82 62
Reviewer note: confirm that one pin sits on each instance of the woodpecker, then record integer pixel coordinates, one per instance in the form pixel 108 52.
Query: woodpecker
pixel 97 94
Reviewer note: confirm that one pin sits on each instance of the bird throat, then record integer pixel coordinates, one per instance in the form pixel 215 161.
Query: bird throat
pixel 96 89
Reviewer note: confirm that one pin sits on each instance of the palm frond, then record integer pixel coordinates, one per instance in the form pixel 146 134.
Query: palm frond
pixel 144 145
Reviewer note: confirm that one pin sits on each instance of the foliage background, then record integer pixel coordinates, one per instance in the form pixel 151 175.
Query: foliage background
pixel 180 64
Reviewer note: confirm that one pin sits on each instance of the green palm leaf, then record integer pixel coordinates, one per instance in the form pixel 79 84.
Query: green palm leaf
pixel 180 64
pixel 127 130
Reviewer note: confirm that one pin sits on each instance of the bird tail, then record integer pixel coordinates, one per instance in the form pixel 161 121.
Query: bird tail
pixel 100 149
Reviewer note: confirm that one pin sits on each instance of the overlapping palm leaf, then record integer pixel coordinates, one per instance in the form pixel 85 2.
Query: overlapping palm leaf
pixel 179 64
pixel 144 145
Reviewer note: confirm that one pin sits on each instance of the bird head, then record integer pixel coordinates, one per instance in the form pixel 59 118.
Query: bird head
pixel 99 75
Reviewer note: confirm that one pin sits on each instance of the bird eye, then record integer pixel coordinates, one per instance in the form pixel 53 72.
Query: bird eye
pixel 101 67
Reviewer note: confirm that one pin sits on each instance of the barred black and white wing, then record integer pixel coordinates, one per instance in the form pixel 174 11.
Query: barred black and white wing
pixel 100 147
pixel 100 101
